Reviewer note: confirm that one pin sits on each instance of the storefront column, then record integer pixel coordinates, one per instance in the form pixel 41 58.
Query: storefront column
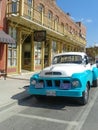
pixel 19 50
pixel 42 60
pixel 21 6
pixel 50 51
pixel 32 55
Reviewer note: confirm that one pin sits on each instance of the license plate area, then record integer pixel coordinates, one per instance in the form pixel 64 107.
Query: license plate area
pixel 50 93
pixel 65 86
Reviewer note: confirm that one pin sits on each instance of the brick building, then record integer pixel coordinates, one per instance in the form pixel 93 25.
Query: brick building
pixel 4 37
pixel 40 29
pixel 92 51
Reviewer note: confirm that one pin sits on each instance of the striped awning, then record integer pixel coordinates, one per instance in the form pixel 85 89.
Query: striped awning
pixel 5 38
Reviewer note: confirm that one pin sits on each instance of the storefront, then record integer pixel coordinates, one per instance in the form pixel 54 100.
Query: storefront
pixel 5 39
pixel 31 54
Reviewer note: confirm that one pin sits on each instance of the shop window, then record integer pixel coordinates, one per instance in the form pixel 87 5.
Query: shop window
pixel 12 57
pixel 54 48
pixel 46 54
pixel 64 48
pixel 37 53
pixel 12 49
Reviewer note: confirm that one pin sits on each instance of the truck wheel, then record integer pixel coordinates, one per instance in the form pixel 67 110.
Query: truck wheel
pixel 85 96
pixel 95 83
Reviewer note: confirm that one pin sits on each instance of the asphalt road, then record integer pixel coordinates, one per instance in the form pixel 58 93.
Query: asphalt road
pixel 51 114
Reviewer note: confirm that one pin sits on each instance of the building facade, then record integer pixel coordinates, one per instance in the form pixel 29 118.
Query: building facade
pixel 4 37
pixel 40 29
pixel 92 52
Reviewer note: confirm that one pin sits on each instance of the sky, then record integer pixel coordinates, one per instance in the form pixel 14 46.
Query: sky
pixel 85 11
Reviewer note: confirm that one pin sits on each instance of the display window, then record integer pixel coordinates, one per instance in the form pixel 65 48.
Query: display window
pixel 54 48
pixel 37 53
pixel 12 49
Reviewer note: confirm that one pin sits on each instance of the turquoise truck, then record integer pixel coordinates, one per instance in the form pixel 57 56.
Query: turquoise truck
pixel 69 75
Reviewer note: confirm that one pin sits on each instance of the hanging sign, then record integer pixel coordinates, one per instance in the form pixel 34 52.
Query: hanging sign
pixel 40 36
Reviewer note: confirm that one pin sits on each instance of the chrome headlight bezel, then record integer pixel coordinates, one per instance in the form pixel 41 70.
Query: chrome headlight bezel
pixel 76 83
pixel 33 81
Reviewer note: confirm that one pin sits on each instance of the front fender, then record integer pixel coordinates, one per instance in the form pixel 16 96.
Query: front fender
pixel 84 77
pixel 95 73
pixel 34 76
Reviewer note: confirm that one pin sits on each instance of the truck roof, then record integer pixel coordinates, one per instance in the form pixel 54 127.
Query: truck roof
pixel 71 53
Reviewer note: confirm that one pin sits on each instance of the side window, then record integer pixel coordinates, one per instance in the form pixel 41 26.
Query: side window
pixel 86 59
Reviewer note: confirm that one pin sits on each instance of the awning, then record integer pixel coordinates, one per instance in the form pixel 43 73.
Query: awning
pixel 5 38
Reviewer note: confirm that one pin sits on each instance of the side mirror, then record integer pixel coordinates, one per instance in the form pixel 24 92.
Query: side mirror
pixel 84 61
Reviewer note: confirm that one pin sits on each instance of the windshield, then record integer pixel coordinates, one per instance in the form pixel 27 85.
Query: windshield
pixel 67 59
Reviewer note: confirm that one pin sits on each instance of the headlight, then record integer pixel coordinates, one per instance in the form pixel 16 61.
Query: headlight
pixel 75 83
pixel 33 82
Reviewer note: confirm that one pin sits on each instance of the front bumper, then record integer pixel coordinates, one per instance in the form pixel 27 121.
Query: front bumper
pixel 56 92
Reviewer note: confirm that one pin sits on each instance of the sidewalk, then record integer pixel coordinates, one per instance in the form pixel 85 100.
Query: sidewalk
pixel 13 89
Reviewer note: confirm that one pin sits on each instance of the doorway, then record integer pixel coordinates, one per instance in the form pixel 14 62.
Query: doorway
pixel 26 54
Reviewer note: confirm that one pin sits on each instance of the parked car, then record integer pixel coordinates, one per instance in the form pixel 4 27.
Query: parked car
pixel 70 75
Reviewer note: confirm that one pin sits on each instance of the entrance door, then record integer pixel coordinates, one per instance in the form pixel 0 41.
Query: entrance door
pixel 26 54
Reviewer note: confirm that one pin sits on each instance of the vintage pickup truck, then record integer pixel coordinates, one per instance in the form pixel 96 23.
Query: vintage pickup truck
pixel 70 75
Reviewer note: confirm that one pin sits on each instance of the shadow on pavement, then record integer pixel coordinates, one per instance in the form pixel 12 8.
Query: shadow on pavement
pixel 56 103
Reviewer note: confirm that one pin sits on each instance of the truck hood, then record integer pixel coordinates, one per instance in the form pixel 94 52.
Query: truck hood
pixel 60 70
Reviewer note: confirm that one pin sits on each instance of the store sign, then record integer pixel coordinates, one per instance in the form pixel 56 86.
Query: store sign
pixel 40 36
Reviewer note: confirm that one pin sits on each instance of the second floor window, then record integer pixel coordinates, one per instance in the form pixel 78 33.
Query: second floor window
pixel 50 14
pixel 41 7
pixel 14 6
pixel 56 19
pixel 67 26
pixel 29 2
pixel 29 12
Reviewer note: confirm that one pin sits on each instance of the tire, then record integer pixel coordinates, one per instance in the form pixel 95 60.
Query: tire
pixel 85 96
pixel 95 83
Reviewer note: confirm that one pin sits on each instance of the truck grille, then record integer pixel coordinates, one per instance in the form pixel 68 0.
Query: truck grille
pixel 54 83
pixel 49 83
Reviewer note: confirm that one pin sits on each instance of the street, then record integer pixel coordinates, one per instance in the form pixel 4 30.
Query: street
pixel 51 113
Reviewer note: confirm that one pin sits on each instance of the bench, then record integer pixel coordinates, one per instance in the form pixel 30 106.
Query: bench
pixel 3 73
